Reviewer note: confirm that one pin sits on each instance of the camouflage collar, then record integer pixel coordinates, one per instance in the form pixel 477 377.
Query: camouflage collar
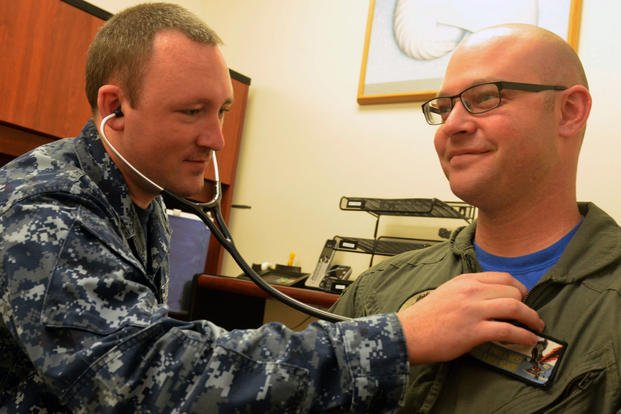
pixel 96 162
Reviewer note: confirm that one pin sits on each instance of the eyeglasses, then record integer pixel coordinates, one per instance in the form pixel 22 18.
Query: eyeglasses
pixel 477 99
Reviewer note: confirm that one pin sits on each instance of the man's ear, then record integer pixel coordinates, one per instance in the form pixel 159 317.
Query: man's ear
pixel 575 109
pixel 109 100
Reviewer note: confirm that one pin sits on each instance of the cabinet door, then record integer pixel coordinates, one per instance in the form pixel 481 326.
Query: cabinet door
pixel 43 45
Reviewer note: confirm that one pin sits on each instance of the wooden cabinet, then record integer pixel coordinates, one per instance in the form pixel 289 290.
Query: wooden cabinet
pixel 41 77
pixel 234 303
pixel 43 46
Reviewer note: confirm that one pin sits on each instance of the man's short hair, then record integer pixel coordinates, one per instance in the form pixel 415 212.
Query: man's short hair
pixel 122 47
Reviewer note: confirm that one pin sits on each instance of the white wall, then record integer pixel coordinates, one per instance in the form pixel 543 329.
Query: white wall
pixel 114 6
pixel 306 141
pixel 599 171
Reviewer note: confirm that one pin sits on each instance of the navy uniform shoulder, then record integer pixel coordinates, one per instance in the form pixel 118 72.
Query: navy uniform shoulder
pixel 50 167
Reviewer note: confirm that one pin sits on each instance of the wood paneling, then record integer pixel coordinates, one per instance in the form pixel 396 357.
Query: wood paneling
pixel 15 141
pixel 43 45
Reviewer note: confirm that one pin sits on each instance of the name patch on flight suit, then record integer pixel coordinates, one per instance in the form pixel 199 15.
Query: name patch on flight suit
pixel 534 365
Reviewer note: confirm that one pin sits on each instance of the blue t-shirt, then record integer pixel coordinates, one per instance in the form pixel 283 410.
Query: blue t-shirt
pixel 527 269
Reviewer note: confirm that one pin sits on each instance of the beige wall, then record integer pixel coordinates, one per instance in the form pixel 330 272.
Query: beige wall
pixel 114 6
pixel 307 142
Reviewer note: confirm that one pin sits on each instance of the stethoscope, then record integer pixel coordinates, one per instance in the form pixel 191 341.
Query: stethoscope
pixel 211 214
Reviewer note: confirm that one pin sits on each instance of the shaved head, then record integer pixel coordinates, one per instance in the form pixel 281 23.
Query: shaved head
pixel 551 57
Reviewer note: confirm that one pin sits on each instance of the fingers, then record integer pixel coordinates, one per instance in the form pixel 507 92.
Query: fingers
pixel 498 278
pixel 508 309
pixel 483 286
pixel 502 331
pixel 498 296
pixel 466 311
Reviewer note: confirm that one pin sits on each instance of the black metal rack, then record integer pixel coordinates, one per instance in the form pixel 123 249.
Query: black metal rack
pixel 383 246
pixel 411 207
pixel 420 207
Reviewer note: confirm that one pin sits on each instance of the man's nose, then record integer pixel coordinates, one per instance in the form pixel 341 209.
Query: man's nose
pixel 458 120
pixel 212 135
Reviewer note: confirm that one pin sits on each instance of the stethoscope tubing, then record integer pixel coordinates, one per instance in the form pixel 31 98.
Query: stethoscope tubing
pixel 210 213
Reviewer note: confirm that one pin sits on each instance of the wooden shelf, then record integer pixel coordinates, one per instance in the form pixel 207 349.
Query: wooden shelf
pixel 248 288
pixel 234 303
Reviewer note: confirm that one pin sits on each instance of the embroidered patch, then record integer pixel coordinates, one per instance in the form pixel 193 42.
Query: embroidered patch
pixel 415 298
pixel 534 365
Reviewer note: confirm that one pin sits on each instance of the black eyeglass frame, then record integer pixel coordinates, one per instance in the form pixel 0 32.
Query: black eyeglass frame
pixel 500 85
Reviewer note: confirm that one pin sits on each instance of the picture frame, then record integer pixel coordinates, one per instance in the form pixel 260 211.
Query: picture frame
pixel 399 66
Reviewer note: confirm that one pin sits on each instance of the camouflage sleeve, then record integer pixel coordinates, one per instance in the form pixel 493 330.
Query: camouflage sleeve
pixel 84 313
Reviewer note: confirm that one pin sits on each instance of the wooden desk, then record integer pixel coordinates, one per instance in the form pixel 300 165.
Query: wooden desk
pixel 238 303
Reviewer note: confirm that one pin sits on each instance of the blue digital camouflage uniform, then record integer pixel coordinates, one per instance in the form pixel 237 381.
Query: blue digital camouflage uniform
pixel 84 323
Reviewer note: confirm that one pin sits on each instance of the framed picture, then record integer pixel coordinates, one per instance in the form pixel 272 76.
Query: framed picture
pixel 408 42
